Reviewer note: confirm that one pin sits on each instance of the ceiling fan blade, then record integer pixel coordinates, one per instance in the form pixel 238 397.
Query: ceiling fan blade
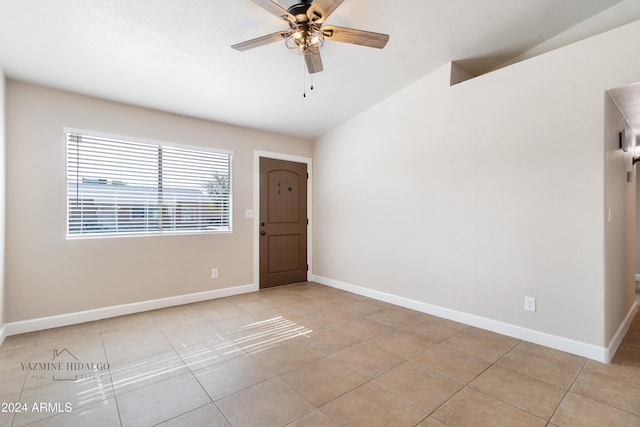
pixel 314 62
pixel 321 9
pixel 269 38
pixel 349 35
pixel 275 9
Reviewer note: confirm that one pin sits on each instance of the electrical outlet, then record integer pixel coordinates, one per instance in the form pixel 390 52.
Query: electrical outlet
pixel 529 304
pixel 214 273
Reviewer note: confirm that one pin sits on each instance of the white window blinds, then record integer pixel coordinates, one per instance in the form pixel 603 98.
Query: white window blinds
pixel 116 186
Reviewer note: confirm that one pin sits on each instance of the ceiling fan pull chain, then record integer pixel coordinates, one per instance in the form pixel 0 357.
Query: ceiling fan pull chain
pixel 311 81
pixel 304 80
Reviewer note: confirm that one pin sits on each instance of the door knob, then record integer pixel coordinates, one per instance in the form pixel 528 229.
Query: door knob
pixel 263 233
pixel 263 223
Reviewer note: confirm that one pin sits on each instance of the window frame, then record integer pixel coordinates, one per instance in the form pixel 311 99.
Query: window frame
pixel 174 231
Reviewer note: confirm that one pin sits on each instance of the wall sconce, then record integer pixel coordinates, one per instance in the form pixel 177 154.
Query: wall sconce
pixel 622 140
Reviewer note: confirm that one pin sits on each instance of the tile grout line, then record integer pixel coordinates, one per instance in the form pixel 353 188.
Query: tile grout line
pixel 192 373
pixel 246 353
pixel 370 340
pixel 24 382
pixel 279 376
pixel 113 388
pixel 566 393
pixel 457 392
pixel 594 398
pixel 468 385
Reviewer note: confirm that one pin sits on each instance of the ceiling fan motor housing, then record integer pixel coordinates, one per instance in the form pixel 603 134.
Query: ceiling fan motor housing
pixel 299 11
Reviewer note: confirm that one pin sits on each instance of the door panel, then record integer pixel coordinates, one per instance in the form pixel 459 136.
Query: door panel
pixel 283 253
pixel 283 222
pixel 284 196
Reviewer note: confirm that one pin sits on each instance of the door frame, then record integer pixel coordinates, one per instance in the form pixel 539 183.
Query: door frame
pixel 256 208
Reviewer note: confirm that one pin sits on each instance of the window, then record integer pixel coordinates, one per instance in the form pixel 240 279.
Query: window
pixel 118 187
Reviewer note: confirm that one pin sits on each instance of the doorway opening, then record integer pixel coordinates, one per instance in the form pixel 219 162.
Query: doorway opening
pixel 627 102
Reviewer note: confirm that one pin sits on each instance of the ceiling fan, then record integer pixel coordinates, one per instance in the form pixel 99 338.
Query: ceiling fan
pixel 306 33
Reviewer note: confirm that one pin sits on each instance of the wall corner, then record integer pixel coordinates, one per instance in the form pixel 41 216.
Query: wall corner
pixel 2 202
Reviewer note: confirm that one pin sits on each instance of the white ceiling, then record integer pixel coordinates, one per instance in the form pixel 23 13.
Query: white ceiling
pixel 175 55
pixel 627 99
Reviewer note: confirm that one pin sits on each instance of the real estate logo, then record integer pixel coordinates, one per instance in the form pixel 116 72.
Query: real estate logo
pixel 65 366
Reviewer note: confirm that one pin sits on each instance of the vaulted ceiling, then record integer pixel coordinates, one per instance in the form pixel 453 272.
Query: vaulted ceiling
pixel 175 55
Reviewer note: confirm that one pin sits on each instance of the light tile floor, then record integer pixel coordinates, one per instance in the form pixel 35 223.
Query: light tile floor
pixel 306 355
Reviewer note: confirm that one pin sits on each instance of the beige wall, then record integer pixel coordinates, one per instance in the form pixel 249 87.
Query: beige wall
pixel 46 274
pixel 474 196
pixel 2 198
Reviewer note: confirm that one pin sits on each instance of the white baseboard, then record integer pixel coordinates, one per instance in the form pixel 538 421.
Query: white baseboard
pixel 601 354
pixel 32 325
pixel 591 351
pixel 620 333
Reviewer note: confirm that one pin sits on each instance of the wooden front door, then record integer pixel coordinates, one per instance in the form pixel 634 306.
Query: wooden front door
pixel 283 222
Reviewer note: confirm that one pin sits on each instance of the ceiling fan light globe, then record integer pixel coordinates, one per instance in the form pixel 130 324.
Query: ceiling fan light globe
pixel 293 43
pixel 304 40
pixel 315 40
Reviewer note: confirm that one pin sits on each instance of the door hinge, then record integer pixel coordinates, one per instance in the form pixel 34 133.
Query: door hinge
pixel 307 175
pixel 307 221
pixel 307 267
